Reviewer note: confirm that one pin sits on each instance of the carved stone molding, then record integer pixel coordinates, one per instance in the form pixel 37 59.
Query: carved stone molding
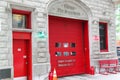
pixel 67 9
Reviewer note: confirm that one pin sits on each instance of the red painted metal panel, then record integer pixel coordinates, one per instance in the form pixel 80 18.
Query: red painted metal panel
pixel 67 31
pixel 21 35
pixel 86 47
pixel 20 58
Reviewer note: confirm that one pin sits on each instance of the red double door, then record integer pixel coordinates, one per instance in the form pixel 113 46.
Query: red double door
pixel 66 45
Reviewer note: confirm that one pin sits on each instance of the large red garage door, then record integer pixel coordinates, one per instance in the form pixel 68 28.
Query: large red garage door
pixel 66 43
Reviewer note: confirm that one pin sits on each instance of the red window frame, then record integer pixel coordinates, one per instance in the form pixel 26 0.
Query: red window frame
pixel 27 14
pixel 106 37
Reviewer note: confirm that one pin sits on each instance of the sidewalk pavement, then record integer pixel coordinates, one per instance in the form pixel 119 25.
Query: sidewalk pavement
pixel 93 77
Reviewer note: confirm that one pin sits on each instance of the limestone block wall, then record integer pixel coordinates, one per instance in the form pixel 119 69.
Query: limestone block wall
pixel 5 35
pixel 102 11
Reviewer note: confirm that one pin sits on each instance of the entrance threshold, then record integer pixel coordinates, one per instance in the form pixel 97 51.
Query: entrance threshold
pixel 20 78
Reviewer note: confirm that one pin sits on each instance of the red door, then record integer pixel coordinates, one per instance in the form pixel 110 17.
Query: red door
pixel 66 46
pixel 20 54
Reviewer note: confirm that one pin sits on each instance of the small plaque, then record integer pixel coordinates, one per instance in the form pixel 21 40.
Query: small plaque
pixel 42 34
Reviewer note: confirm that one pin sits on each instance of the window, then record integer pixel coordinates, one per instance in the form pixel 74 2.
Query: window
pixel 58 44
pixel 21 19
pixel 73 53
pixel 72 45
pixel 65 45
pixel 103 36
pixel 58 54
pixel 66 53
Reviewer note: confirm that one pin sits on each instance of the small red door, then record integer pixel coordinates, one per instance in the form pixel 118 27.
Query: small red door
pixel 20 54
pixel 66 46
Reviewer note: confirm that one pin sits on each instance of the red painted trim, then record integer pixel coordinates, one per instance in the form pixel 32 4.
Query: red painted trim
pixel 16 11
pixel 86 47
pixel 106 30
pixel 26 36
pixel 30 60
pixel 21 35
pixel 27 14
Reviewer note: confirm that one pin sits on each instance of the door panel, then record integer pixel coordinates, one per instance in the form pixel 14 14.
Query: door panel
pixel 66 46
pixel 20 58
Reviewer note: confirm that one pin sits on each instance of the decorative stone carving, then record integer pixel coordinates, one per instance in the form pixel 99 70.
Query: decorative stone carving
pixel 68 9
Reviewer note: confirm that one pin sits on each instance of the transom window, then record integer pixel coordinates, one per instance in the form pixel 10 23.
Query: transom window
pixel 103 36
pixel 21 19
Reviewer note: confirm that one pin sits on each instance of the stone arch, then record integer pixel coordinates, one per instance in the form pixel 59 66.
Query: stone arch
pixel 80 10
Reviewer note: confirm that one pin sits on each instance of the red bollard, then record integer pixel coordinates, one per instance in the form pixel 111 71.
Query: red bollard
pixel 50 75
pixel 92 70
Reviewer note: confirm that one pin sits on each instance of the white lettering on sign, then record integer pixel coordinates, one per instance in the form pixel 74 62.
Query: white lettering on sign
pixel 19 49
pixel 67 9
pixel 67 63
pixel 59 10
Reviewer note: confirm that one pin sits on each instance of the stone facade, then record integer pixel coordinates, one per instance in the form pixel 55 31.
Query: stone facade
pixel 95 10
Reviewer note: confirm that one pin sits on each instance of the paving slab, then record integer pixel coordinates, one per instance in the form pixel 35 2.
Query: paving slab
pixel 93 77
